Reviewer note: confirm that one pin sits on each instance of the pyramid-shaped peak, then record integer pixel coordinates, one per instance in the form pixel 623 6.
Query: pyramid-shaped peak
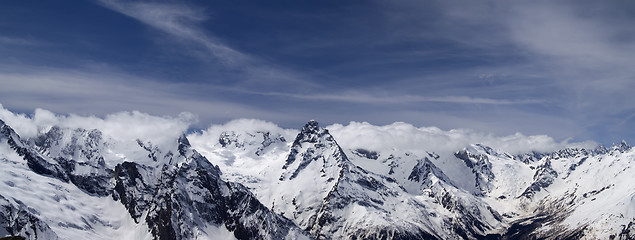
pixel 312 133
pixel 312 144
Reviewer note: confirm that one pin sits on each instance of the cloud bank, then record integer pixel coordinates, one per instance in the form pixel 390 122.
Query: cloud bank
pixel 406 137
pixel 129 126
pixel 399 136
pixel 122 126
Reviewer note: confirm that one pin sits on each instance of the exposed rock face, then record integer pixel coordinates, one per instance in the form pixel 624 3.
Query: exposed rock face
pixel 543 177
pixel 190 195
pixel 16 220
pixel 481 167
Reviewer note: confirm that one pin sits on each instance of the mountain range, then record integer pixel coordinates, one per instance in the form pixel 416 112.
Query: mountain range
pixel 265 182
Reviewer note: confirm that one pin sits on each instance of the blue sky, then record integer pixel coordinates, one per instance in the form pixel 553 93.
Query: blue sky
pixel 560 68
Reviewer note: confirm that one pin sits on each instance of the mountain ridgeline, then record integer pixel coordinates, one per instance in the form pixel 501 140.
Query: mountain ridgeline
pixel 70 183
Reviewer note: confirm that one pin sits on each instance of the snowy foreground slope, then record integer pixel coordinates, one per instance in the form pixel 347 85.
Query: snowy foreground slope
pixel 253 180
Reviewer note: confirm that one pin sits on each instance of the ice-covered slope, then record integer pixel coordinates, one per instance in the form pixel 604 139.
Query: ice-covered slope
pixel 580 193
pixel 35 189
pixel 247 151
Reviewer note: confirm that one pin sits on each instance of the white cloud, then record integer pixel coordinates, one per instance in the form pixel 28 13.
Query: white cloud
pixel 407 137
pixel 129 126
pixel 209 137
pixel 248 125
pixel 400 136
pixel 21 123
pixel 121 126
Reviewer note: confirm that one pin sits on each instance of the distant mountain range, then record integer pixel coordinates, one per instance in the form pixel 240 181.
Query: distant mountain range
pixel 238 183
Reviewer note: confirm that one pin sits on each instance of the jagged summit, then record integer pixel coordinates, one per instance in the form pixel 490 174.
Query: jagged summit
pixel 622 146
pixel 311 127
pixel 313 145
pixel 312 133
pixel 311 124
pixel 316 162
pixel 184 144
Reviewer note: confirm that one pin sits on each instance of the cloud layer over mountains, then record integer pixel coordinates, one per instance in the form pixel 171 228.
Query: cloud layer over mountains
pixel 128 126
pixel 124 126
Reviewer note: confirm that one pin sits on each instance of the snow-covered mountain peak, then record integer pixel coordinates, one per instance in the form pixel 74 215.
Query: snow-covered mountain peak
pixel 314 147
pixel 311 125
pixel 425 170
pixel 312 133
pixel 621 147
